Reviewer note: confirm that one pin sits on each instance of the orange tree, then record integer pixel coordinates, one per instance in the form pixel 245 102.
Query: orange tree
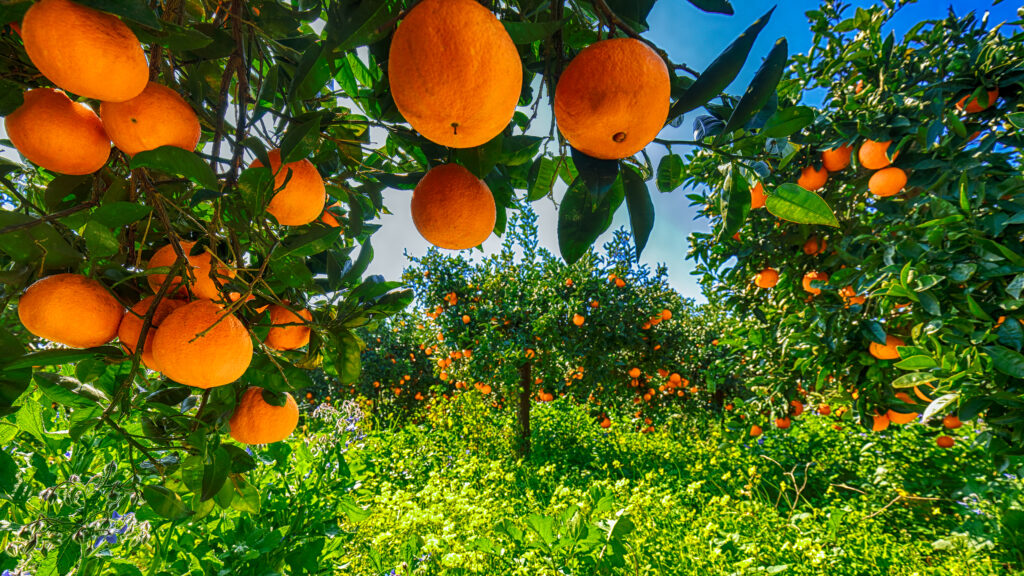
pixel 521 326
pixel 233 217
pixel 872 243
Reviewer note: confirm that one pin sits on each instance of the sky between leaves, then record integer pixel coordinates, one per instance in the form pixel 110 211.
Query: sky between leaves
pixel 691 37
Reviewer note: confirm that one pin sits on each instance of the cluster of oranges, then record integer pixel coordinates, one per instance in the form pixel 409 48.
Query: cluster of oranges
pixel 96 56
pixel 456 77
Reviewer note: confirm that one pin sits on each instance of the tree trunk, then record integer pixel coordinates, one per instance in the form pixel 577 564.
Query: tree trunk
pixel 525 382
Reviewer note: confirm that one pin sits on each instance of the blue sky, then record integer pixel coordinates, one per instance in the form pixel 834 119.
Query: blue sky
pixel 694 38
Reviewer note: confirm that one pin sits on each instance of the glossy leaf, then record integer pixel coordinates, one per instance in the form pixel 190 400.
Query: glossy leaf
pixel 640 206
pixel 794 203
pixel 670 172
pixel 173 160
pixel 761 88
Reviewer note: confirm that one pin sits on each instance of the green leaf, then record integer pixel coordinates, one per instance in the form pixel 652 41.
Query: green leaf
pixel 788 121
pixel 165 502
pixel 353 23
pixel 1016 118
pixel 716 6
pixel 352 510
pixel 100 241
pixel 530 32
pixel 60 356
pixel 30 419
pixel 670 172
pixel 597 175
pixel 938 406
pixel 641 209
pixel 480 160
pixel 913 379
pixel 215 473
pixel 118 214
pixel 917 363
pixel 11 97
pixel 1007 361
pixel 349 360
pixel 68 391
pixel 761 88
pixel 39 244
pixel 543 175
pixel 796 204
pixel 174 160
pixel 734 203
pixel 355 270
pixel 135 10
pixel 247 498
pixel 580 221
pixel 720 73
pixel 301 139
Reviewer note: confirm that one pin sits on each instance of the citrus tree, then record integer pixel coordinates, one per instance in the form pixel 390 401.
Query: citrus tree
pixel 898 287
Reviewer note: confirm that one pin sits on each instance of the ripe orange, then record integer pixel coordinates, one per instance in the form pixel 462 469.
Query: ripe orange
pixel 874 155
pixel 974 106
pixel 58 134
pixel 612 100
pixel 901 417
pixel 798 407
pixel 887 182
pixel 465 319
pixel 301 194
pixel 824 409
pixel 755 431
pixel 836 159
pixel 606 423
pixel 284 337
pixel 782 423
pixel 811 277
pixel 202 265
pixel 485 389
pixel 131 326
pixel 452 208
pixel 330 219
pixel 888 351
pixel 811 179
pixel 813 246
pixel 944 442
pixel 70 309
pixel 84 51
pixel 218 357
pixel 578 319
pixel 594 304
pixel 157 117
pixel 455 73
pixel 879 422
pixel 634 372
pixel 757 198
pixel 767 278
pixel 257 422
pixel 850 297
pixel 666 314
pixel 952 422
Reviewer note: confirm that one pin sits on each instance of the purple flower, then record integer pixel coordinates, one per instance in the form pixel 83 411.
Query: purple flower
pixel 109 538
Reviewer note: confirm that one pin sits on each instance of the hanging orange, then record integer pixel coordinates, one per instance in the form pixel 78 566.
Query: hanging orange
pixel 887 182
pixel 131 326
pixel 767 278
pixel 612 100
pixel 887 351
pixel 202 345
pixel 874 155
pixel 157 117
pixel 57 134
pixel 455 73
pixel 974 106
pixel 812 179
pixel 300 192
pixel 84 51
pixel 836 159
pixel 202 264
pixel 757 198
pixel 452 208
pixel 256 421
pixel 290 330
pixel 811 277
pixel 70 309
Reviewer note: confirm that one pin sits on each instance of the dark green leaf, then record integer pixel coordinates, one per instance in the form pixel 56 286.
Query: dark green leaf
pixel 796 204
pixel 134 10
pixel 1007 361
pixel 788 121
pixel 480 160
pixel 349 361
pixel 670 172
pixel 353 23
pixel 174 160
pixel 215 472
pixel 68 391
pixel 39 244
pixel 716 6
pixel 530 32
pixel 301 139
pixel 720 73
pixel 761 88
pixel 580 221
pixel 596 174
pixel 61 356
pixel 641 209
pixel 542 177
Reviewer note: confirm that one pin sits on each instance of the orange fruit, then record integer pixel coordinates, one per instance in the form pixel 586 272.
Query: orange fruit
pixel 485 389
pixel 57 134
pixel 465 319
pixel 157 117
pixel 594 304
pixel 798 407
pixel 874 155
pixel 612 99
pixel 666 314
pixel 888 351
pixel 944 442
pixel 824 409
pixel 84 51
pixel 578 319
pixel 952 422
pixel 757 198
pixel 811 277
pixel 755 431
pixel 202 265
pixel 811 179
pixel 767 278
pixel 131 326
pixel 813 246
pixel 974 106
pixel 606 423
pixel 70 309
pixel 879 422
pixel 300 192
pixel 782 423
pixel 329 218
pixel 455 73
pixel 284 337
pixel 850 297
pixel 634 372
pixel 901 417
pixel 452 208
pixel 256 421
pixel 887 182
pixel 836 159
pixel 217 357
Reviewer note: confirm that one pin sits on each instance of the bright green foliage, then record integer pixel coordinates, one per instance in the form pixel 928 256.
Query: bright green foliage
pixel 940 263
